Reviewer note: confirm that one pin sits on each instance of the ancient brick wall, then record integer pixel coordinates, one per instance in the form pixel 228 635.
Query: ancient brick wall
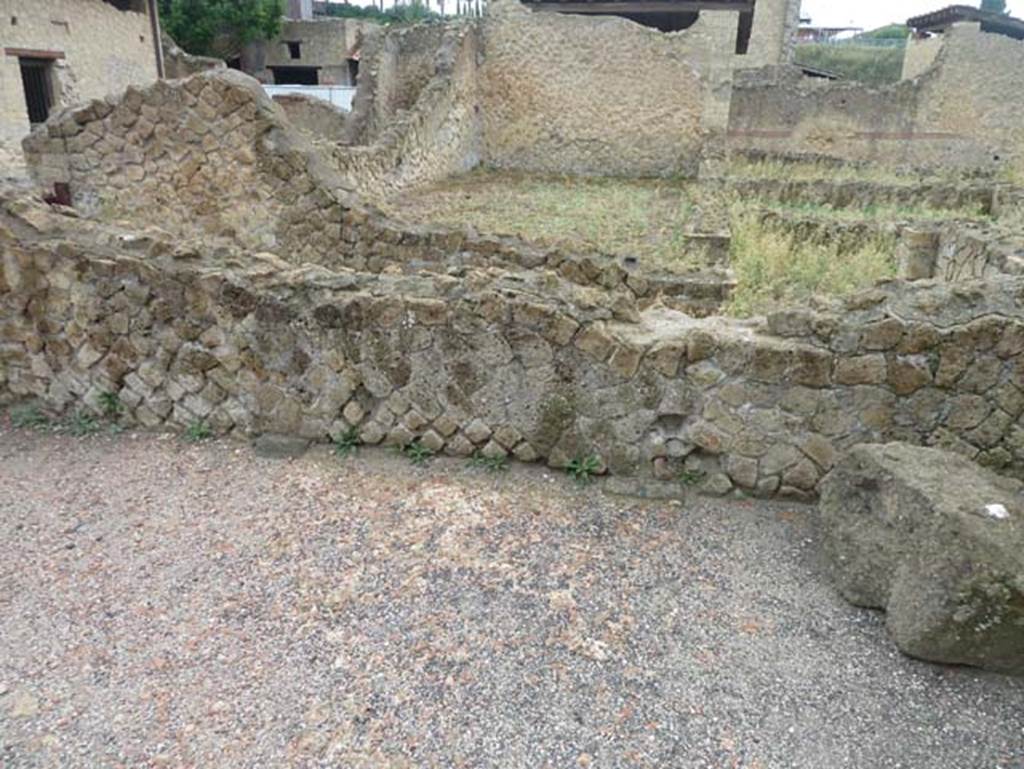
pixel 104 50
pixel 954 114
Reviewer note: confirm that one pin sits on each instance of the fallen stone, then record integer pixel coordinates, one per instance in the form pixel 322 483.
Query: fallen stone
pixel 938 542
pixel 274 446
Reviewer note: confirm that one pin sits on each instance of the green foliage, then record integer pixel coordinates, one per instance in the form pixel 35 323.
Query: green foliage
pixel 417 453
pixel 692 477
pixel 111 404
pixel 862 63
pixel 28 416
pixel 890 32
pixel 494 464
pixel 583 469
pixel 994 6
pixel 220 27
pixel 400 13
pixel 347 444
pixel 198 431
pixel 82 423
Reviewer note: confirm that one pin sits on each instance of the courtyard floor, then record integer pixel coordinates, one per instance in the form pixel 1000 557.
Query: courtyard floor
pixel 192 605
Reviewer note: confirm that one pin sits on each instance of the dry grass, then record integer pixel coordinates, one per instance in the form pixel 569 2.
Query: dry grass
pixel 650 219
pixel 774 267
pixel 743 168
pixel 647 218
pixel 879 213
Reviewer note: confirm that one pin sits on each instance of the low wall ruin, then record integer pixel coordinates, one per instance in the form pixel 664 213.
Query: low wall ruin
pixel 217 268
pixel 955 113
pixel 519 362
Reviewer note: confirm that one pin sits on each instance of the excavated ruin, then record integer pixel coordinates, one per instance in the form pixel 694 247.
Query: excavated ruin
pixel 215 267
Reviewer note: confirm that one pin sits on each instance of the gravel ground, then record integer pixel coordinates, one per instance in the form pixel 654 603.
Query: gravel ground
pixel 168 604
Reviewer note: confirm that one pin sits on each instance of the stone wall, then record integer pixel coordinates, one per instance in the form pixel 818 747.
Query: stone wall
pixel 955 113
pixel 416 115
pixel 319 120
pixel 103 49
pixel 179 63
pixel 519 362
pixel 601 95
pixel 920 55
pixel 398 63
pixel 773 33
pixel 212 159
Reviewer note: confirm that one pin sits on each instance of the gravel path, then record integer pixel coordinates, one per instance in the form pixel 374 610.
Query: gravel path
pixel 176 605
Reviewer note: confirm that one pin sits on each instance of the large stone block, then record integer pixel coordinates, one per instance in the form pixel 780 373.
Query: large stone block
pixel 936 541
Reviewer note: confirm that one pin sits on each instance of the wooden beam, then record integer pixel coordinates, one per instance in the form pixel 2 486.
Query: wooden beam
pixel 32 53
pixel 643 6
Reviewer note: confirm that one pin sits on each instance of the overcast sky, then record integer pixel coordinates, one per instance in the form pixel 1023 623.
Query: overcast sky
pixel 877 13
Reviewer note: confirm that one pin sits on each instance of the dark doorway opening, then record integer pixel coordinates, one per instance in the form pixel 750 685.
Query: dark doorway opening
pixel 294 49
pixel 36 80
pixel 746 26
pixel 296 75
pixel 353 71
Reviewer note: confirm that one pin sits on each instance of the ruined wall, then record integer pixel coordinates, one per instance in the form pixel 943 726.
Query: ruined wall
pixel 211 161
pixel 396 65
pixel 773 33
pixel 956 113
pixel 600 95
pixel 968 91
pixel 252 291
pixel 518 363
pixel 418 122
pixel 104 50
pixel 209 154
pixel 179 63
pixel 319 120
pixel 920 55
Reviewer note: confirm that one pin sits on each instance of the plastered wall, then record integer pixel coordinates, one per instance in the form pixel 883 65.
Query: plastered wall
pixel 323 43
pixel 601 95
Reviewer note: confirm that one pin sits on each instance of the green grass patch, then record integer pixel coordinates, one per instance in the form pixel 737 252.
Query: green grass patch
pixel 873 65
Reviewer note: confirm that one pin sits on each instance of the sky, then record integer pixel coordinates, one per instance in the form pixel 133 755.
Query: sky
pixel 870 14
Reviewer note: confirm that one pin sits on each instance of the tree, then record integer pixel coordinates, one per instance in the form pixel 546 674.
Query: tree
pixel 220 27
pixel 994 6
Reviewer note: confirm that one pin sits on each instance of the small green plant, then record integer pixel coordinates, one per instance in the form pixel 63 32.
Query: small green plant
pixel 198 431
pixel 495 464
pixel 111 405
pixel 583 469
pixel 417 453
pixel 28 416
pixel 347 444
pixel 692 477
pixel 82 423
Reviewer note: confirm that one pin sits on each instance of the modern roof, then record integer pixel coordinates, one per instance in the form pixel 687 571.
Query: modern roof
pixel 941 20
